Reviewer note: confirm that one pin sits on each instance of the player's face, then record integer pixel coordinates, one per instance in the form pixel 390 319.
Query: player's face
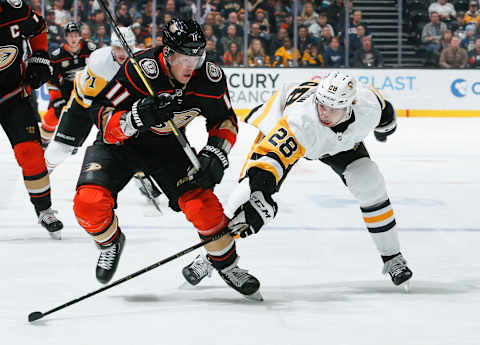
pixel 182 66
pixel 328 116
pixel 120 54
pixel 73 40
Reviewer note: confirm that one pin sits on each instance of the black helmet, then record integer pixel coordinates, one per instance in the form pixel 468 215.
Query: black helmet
pixel 71 27
pixel 184 36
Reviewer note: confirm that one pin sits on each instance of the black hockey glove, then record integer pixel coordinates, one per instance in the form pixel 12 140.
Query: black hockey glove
pixel 151 110
pixel 39 70
pixel 250 217
pixel 213 162
pixel 382 132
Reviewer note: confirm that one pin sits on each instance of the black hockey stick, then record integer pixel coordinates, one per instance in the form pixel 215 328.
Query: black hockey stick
pixel 181 139
pixel 36 315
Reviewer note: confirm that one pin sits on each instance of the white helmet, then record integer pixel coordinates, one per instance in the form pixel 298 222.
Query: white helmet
pixel 337 90
pixel 127 33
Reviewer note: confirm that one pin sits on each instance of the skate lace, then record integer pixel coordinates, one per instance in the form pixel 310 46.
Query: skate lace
pixel 107 258
pixel 200 267
pixel 237 276
pixel 395 266
pixel 47 216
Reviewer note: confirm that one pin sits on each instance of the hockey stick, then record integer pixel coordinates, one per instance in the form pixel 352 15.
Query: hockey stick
pixel 181 139
pixel 36 315
pixel 142 183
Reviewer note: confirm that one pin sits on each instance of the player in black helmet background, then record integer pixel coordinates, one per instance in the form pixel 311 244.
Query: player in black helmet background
pixel 134 135
pixel 19 25
pixel 66 62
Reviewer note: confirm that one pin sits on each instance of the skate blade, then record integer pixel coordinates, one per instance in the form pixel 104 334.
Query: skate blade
pixel 57 235
pixel 187 286
pixel 406 286
pixel 256 297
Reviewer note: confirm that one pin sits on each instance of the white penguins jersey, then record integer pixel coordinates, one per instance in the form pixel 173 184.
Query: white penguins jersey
pixel 291 129
pixel 89 82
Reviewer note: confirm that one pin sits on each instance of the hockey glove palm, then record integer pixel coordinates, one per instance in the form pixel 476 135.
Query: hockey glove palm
pixel 39 70
pixel 250 217
pixel 213 162
pixel 151 110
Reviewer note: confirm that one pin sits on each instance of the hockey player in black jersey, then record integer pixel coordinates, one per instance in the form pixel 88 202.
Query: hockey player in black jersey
pixel 134 135
pixel 66 61
pixel 19 24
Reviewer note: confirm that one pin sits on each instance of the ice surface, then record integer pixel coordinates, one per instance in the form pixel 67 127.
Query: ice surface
pixel 319 270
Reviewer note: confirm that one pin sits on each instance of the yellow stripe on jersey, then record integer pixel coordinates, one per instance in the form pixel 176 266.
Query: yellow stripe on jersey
pixel 283 144
pixel 266 110
pixel 88 85
pixel 259 137
pixel 379 95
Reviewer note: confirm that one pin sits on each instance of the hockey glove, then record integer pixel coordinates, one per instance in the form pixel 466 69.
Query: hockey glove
pixel 149 111
pixel 213 162
pixel 250 217
pixel 39 70
pixel 382 132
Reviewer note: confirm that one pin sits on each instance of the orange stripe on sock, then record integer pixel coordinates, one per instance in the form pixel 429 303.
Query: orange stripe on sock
pixel 379 218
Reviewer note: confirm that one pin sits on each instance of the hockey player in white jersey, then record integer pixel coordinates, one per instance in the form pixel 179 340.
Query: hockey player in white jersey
pixel 324 120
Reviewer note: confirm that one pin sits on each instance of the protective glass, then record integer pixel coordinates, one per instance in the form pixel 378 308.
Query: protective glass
pixel 193 62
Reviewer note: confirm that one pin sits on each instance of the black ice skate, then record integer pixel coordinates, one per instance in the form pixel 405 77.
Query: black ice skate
pixel 398 270
pixel 197 270
pixel 109 258
pixel 47 219
pixel 243 282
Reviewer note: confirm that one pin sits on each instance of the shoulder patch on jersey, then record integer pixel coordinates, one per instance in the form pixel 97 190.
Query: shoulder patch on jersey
pixel 91 45
pixel 7 56
pixel 15 3
pixel 56 51
pixel 150 67
pixel 214 73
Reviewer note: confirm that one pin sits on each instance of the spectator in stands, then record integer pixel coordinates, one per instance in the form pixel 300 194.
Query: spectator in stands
pixel 334 11
pixel 210 20
pixel 354 23
pixel 225 41
pixel 219 21
pixel 241 17
pixel 233 56
pixel 356 39
pixel 284 56
pixel 97 20
pixel 454 56
pixel 62 16
pixel 312 58
pixel 85 32
pixel 468 43
pixel 431 35
pixel 325 39
pixel 474 55
pixel 473 15
pixel 262 21
pixel 229 6
pixel 209 34
pixel 171 8
pixel 54 31
pixel 123 18
pixel 36 6
pixel 316 28
pixel 256 54
pixel 256 33
pixel 458 26
pixel 233 20
pixel 211 52
pixel 308 15
pixel 304 40
pixel 137 31
pixel 367 56
pixel 101 37
pixel 446 38
pixel 445 10
pixel 334 55
pixel 277 42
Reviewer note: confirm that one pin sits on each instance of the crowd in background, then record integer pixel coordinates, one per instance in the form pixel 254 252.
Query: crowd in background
pixel 451 38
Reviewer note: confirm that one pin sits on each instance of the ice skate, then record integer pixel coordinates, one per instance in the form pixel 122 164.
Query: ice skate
pixel 399 272
pixel 197 270
pixel 47 219
pixel 109 258
pixel 146 187
pixel 243 282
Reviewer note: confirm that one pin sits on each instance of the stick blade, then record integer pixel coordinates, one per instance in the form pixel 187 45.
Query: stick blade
pixel 35 316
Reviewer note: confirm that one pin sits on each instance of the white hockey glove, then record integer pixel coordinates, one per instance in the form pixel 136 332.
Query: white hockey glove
pixel 250 217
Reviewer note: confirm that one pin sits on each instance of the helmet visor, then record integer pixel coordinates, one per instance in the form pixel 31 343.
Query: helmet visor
pixel 187 61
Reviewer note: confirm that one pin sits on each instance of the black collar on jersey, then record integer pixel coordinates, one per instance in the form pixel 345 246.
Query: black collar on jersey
pixel 342 127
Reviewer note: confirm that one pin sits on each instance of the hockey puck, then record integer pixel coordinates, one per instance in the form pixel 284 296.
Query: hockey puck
pixel 34 316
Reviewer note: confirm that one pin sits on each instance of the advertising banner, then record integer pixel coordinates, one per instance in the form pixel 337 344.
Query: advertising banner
pixel 413 92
